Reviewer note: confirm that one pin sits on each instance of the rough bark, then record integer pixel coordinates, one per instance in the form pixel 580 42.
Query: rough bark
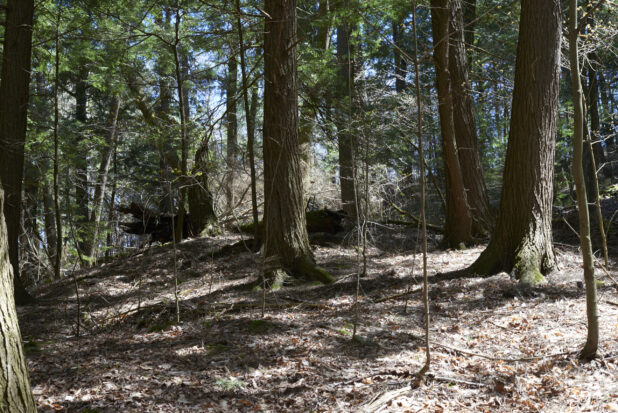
pixel 14 382
pixel 286 243
pixel 13 114
pixel 465 127
pixel 15 77
pixel 201 205
pixel 458 228
pixel 232 130
pixel 345 138
pixel 521 242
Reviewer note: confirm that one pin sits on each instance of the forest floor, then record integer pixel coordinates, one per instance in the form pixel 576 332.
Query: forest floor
pixel 495 347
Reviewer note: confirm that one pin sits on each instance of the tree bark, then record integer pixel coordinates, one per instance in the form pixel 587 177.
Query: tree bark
pixel 458 228
pixel 14 382
pixel 201 204
pixel 521 242
pixel 48 218
pixel 465 127
pixel 15 78
pixel 286 243
pixel 346 140
pixel 14 91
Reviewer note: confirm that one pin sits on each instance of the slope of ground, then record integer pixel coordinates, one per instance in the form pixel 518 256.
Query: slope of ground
pixel 495 348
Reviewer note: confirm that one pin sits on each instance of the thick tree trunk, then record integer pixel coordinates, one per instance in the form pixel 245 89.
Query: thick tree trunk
pixel 458 228
pixel 14 89
pixel 232 130
pixel 522 239
pixel 201 206
pixel 15 78
pixel 16 393
pixel 346 141
pixel 101 184
pixel 465 127
pixel 286 243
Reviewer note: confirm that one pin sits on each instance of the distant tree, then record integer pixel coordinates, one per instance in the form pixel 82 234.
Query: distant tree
pixel 286 243
pixel 465 125
pixel 458 227
pixel 14 94
pixel 521 242
pixel 345 139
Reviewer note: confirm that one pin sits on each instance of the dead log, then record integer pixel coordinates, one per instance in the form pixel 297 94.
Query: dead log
pixel 149 221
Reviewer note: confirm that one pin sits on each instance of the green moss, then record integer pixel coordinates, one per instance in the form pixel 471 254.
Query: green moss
pixel 217 348
pixel 258 326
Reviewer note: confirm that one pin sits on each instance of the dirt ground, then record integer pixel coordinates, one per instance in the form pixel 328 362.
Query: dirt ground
pixel 495 347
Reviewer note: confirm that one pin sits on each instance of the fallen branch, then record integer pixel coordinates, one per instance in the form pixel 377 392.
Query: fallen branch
pixel 396 296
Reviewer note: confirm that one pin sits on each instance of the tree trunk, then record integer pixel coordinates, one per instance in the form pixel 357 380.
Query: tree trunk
pixel 16 392
pixel 347 72
pixel 57 212
pixel 201 206
pixel 14 83
pixel 522 239
pixel 48 219
pixel 232 130
pixel 592 342
pixel 286 243
pixel 250 117
pixel 184 145
pixel 101 184
pixel 458 228
pixel 465 127
pixel 14 89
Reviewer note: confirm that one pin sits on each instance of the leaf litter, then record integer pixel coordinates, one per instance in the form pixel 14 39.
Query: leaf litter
pixel 495 348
